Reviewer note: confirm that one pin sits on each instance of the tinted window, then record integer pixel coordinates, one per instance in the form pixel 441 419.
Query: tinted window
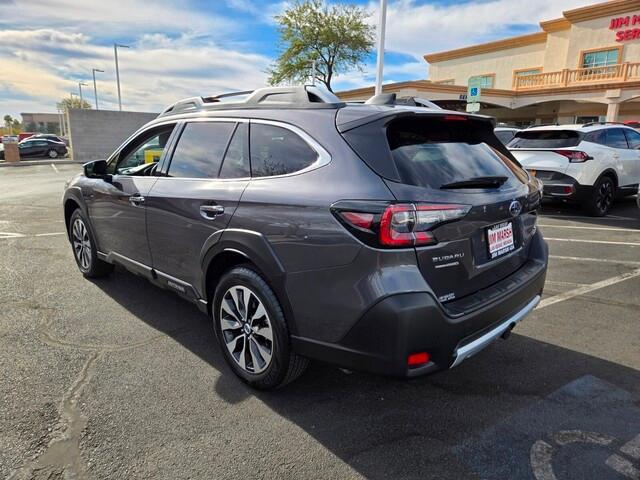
pixel 633 138
pixel 145 149
pixel 599 136
pixel 200 150
pixel 434 153
pixel 278 151
pixel 616 138
pixel 236 160
pixel 545 139
pixel 505 136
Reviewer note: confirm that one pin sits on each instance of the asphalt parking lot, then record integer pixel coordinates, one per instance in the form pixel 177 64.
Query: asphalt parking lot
pixel 118 379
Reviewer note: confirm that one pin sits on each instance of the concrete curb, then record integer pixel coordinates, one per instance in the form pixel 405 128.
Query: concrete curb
pixel 30 163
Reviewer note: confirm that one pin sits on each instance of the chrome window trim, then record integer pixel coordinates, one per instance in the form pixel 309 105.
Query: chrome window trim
pixel 324 158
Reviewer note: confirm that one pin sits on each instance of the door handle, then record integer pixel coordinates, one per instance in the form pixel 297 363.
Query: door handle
pixel 211 211
pixel 616 156
pixel 136 200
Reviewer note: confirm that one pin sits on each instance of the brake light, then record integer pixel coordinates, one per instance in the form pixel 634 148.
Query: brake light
pixel 455 118
pixel 398 225
pixel 574 156
pixel 359 219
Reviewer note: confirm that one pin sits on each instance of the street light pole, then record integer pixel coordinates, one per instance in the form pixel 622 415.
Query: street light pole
pixel 95 88
pixel 115 54
pixel 80 85
pixel 382 20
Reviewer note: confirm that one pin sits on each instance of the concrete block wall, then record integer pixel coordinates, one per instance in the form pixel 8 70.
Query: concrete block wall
pixel 95 134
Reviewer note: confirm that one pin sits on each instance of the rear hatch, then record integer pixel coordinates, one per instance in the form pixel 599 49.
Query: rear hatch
pixel 545 150
pixel 442 162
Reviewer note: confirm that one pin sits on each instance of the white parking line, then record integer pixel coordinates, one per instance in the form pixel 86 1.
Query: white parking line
pixel 601 260
pixel 610 229
pixel 5 235
pixel 567 217
pixel 561 297
pixel 55 168
pixel 605 242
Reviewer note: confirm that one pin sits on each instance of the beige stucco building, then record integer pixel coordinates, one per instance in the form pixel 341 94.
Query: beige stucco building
pixel 584 66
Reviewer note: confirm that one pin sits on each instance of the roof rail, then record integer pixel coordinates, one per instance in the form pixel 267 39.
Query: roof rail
pixel 589 124
pixel 543 125
pixel 392 99
pixel 303 96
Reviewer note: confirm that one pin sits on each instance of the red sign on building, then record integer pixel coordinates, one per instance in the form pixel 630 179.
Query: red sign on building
pixel 623 34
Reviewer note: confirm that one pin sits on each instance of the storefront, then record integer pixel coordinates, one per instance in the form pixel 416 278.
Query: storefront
pixel 582 67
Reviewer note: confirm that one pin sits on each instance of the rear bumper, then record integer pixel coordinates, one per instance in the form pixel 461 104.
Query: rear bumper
pixel 566 188
pixel 403 324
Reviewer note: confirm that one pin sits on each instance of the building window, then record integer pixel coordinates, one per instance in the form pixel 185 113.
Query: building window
pixel 601 58
pixel 483 81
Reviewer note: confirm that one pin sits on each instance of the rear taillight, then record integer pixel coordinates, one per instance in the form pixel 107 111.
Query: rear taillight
pixel 396 225
pixel 574 156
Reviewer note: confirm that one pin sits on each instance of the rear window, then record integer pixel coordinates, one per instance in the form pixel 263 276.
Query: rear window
pixel 545 139
pixel 432 153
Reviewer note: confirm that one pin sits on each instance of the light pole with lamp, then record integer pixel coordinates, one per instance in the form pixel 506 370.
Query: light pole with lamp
pixel 80 85
pixel 95 88
pixel 115 54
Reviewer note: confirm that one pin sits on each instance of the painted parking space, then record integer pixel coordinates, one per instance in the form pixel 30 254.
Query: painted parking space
pixel 587 429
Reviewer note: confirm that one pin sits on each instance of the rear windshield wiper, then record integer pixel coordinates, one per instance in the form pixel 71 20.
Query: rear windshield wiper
pixel 477 182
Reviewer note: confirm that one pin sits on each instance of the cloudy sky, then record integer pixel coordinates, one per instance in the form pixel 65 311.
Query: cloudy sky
pixel 183 48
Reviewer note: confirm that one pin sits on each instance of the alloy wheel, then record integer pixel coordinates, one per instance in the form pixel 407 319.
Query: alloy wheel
pixel 604 196
pixel 81 244
pixel 53 154
pixel 246 329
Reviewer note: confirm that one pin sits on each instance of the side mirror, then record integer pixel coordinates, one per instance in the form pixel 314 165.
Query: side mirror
pixel 97 169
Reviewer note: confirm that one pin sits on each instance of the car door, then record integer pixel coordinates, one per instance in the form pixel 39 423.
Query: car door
pixel 623 157
pixel 117 207
pixel 633 167
pixel 27 148
pixel 195 197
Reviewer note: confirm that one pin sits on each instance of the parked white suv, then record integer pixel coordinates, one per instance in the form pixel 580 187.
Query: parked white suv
pixel 590 164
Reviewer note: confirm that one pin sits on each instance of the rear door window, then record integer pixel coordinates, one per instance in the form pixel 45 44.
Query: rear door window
pixel 278 151
pixel 434 153
pixel 616 138
pixel 545 139
pixel 200 150
pixel 633 138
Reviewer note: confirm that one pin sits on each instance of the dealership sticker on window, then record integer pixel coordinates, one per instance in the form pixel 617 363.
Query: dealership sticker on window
pixel 500 239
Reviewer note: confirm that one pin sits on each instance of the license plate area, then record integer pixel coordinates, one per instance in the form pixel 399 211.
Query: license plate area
pixel 500 239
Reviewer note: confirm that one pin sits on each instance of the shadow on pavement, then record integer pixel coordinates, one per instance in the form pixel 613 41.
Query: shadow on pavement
pixel 382 427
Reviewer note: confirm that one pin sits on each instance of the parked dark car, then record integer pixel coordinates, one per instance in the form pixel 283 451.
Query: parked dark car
pixel 49 136
pixel 391 239
pixel 31 148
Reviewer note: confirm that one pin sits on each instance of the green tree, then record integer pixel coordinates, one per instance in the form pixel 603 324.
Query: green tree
pixel 73 102
pixel 337 37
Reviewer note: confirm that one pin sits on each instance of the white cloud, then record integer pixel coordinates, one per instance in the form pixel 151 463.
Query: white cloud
pixel 419 29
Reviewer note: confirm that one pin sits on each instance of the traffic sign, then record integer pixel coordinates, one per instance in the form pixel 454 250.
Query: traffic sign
pixel 473 107
pixel 473 93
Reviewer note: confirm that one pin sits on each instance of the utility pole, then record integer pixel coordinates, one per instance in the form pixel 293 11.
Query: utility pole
pixel 115 54
pixel 80 85
pixel 95 88
pixel 382 20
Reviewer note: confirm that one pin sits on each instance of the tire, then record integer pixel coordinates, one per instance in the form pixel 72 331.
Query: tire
pixel 84 248
pixel 52 153
pixel 255 342
pixel 601 200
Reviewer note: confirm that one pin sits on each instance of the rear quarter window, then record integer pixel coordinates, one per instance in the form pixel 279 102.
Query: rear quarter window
pixel 545 139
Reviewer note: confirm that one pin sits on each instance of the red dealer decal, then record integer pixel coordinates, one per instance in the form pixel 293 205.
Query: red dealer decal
pixel 623 34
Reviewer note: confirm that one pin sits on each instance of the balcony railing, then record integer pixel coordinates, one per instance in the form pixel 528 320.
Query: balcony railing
pixel 581 76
